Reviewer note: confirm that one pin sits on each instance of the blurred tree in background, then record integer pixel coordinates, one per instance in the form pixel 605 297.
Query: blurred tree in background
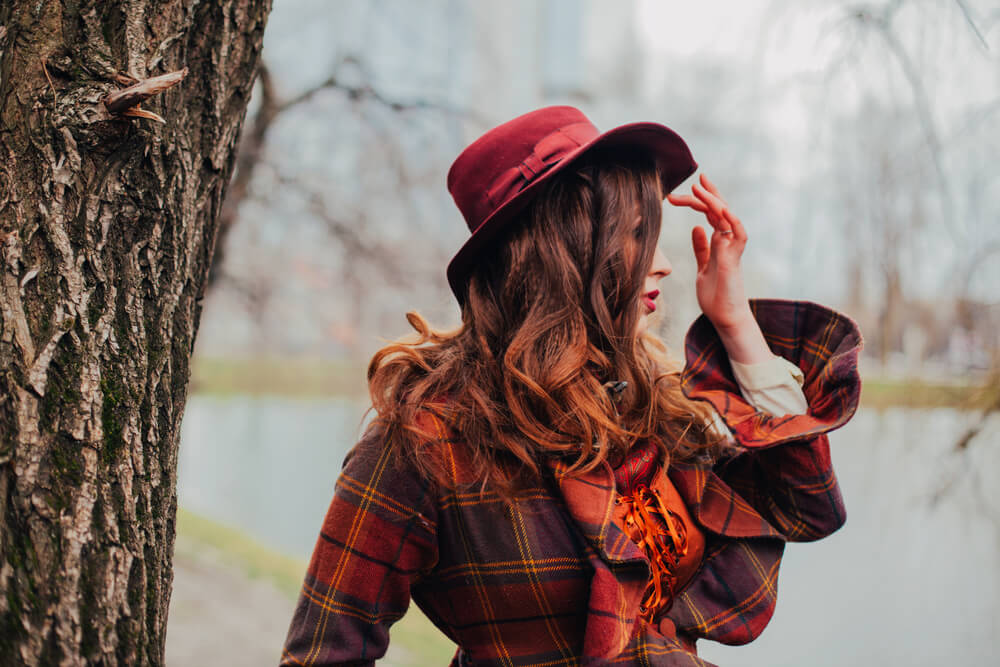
pixel 107 224
pixel 855 137
pixel 910 159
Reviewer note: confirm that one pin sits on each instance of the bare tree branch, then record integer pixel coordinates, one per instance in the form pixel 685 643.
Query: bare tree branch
pixel 972 24
pixel 992 384
pixel 981 255
pixel 248 157
pixel 253 144
pixel 347 234
pixel 366 91
pixel 881 22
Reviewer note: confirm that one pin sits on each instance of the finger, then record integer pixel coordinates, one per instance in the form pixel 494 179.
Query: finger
pixel 687 200
pixel 707 196
pixel 717 208
pixel 710 186
pixel 739 231
pixel 699 241
pixel 708 199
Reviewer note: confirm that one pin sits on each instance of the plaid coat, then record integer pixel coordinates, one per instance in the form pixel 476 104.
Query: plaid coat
pixel 552 580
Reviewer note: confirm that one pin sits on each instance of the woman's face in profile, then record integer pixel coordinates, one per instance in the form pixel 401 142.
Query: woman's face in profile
pixel 660 268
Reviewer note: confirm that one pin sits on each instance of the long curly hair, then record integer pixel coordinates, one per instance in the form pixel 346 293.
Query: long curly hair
pixel 548 320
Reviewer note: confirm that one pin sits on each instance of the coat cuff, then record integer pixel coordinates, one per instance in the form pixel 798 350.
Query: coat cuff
pixel 773 386
pixel 821 342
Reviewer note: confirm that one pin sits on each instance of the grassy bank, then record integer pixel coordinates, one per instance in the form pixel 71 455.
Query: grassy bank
pixel 203 538
pixel 284 377
pixel 880 394
pixel 415 640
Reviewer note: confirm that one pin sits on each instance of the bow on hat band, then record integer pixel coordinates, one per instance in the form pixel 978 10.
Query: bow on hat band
pixel 548 152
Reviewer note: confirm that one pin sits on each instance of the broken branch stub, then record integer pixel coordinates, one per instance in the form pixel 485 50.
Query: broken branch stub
pixel 127 100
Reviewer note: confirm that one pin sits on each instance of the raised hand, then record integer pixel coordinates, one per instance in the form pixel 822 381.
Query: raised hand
pixel 719 285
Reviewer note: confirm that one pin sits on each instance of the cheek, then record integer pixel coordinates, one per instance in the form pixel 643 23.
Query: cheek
pixel 638 261
pixel 642 323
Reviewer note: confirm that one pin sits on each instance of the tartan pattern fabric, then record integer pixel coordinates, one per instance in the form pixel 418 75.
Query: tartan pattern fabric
pixel 639 466
pixel 552 580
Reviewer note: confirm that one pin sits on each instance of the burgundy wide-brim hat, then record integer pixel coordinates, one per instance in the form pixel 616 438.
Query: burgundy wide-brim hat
pixel 498 174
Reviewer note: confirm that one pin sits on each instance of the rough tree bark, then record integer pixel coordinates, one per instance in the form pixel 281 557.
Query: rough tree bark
pixel 107 226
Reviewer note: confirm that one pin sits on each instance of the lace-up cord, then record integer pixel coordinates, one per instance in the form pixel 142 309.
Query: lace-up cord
pixel 661 534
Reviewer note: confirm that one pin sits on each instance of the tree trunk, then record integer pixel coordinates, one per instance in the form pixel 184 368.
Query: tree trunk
pixel 107 227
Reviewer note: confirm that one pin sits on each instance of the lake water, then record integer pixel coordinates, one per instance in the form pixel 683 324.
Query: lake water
pixel 912 579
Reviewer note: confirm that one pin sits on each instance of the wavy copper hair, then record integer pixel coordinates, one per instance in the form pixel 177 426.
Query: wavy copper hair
pixel 547 321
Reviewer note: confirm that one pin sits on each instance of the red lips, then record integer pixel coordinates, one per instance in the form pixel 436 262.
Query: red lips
pixel 649 299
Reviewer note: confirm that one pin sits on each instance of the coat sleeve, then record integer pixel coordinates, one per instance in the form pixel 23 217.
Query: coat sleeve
pixel 377 539
pixel 783 467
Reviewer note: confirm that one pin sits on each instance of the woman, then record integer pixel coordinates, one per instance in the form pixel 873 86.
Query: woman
pixel 542 482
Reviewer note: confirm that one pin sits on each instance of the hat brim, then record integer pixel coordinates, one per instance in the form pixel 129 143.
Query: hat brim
pixel 673 161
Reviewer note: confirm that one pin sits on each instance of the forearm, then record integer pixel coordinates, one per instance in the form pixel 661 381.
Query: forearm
pixel 744 341
pixel 791 485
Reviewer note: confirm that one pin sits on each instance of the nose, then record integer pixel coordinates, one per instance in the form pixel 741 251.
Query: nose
pixel 661 267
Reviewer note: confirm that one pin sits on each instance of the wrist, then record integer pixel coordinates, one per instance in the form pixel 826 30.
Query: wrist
pixel 743 340
pixel 733 325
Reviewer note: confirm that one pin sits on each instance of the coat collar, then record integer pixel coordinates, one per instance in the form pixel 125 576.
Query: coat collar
pixel 713 503
pixel 620 569
pixel 590 500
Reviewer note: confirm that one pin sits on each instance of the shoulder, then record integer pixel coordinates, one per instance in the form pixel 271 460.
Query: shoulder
pixel 380 476
pixel 418 447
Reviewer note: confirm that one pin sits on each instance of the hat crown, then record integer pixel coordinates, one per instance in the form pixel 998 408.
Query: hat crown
pixel 508 158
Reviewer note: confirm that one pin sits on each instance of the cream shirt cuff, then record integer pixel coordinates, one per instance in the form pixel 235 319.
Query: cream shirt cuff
pixel 773 386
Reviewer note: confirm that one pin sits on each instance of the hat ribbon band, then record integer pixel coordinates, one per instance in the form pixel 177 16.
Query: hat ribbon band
pixel 548 152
